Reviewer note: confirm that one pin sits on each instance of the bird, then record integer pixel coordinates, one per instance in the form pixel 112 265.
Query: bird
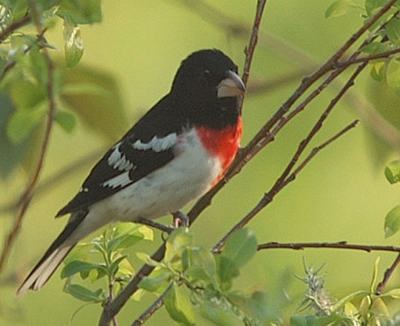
pixel 174 154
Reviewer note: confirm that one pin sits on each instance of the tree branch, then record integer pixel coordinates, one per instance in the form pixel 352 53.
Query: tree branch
pixel 326 245
pixel 16 24
pixel 388 274
pixel 27 195
pixel 151 309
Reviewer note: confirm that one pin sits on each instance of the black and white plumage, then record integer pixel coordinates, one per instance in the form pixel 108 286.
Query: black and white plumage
pixel 172 155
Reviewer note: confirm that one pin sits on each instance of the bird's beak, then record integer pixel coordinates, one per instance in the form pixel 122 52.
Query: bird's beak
pixel 231 86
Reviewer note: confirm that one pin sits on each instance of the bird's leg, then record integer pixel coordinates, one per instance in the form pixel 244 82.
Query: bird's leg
pixel 180 219
pixel 154 225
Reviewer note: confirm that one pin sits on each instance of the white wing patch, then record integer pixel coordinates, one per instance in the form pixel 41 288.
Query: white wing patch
pixel 157 144
pixel 119 181
pixel 118 160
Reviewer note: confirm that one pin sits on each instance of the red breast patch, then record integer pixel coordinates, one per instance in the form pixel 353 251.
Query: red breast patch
pixel 222 143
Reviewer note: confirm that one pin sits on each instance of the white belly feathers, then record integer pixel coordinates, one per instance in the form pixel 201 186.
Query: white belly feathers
pixel 167 189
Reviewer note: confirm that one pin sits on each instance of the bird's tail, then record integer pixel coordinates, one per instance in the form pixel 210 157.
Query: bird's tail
pixel 53 257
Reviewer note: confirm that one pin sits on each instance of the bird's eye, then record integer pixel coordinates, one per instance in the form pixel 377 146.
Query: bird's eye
pixel 206 73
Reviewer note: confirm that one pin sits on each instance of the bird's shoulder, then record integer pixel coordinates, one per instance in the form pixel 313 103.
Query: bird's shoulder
pixel 146 147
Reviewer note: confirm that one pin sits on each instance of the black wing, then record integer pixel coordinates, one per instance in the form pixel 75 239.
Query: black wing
pixel 136 155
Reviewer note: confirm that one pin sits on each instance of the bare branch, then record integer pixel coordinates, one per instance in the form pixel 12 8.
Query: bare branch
pixel 27 195
pixel 16 24
pixel 151 309
pixel 326 245
pixel 372 57
pixel 388 274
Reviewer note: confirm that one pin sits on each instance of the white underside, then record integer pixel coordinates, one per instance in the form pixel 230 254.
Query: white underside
pixel 164 191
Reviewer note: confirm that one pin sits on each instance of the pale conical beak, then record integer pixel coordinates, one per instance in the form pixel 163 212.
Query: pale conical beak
pixel 231 86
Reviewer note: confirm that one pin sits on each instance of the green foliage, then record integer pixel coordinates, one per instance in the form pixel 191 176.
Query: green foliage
pixel 196 280
pixel 392 221
pixel 392 172
pixel 103 258
pixel 338 8
pixel 73 46
pixel 82 93
pixel 178 305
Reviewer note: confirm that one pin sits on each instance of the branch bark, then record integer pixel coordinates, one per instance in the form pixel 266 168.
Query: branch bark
pixel 14 26
pixel 326 245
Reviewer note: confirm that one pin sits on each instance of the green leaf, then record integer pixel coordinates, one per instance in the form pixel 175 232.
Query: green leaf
pixel 393 30
pixel 81 11
pixel 178 305
pixel 393 73
pixel 157 281
pixel 371 6
pixel 12 154
pixel 66 120
pixel 84 294
pixel 338 8
pixel 365 305
pixel 227 270
pixel 378 69
pixel 338 305
pixel 147 259
pixel 78 266
pixel 317 320
pixel 73 44
pixel 22 123
pixel 395 294
pixel 176 243
pixel 240 247
pixel 392 222
pixel 218 316
pixel 199 264
pixel 392 172
pixel 374 275
pixel 374 48
pixel 379 308
pixel 115 265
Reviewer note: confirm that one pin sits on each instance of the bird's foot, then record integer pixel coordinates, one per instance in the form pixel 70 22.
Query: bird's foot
pixel 180 219
pixel 155 225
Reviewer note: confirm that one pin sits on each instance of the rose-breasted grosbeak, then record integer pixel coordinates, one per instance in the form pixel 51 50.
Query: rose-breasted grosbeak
pixel 175 153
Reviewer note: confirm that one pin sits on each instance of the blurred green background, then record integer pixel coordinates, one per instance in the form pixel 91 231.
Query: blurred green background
pixel 341 195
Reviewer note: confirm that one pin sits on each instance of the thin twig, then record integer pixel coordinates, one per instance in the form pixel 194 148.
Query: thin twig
pixel 326 245
pixel 16 24
pixel 151 309
pixel 250 48
pixel 11 64
pixel 388 274
pixel 377 56
pixel 27 196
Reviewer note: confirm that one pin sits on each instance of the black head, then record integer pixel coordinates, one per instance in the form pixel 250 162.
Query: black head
pixel 206 82
pixel 208 73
